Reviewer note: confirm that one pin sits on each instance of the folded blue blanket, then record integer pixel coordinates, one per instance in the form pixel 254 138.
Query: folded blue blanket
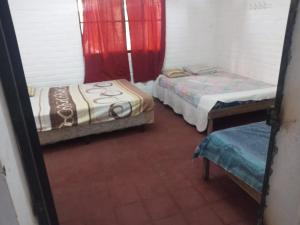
pixel 241 151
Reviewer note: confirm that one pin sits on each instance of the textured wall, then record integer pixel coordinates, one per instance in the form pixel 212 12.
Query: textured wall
pixel 190 32
pixel 249 37
pixel 284 199
pixel 244 37
pixel 49 40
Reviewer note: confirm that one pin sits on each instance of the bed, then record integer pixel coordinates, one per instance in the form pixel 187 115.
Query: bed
pixel 203 98
pixel 67 112
pixel 241 151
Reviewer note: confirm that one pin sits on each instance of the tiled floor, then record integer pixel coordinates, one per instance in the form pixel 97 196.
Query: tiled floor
pixel 143 178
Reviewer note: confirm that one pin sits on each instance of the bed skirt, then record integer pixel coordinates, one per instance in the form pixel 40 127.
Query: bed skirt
pixel 190 113
pixel 53 136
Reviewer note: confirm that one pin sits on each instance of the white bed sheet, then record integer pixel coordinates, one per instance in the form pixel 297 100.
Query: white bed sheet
pixel 198 116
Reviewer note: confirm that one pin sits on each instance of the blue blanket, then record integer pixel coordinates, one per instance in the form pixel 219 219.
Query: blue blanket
pixel 241 151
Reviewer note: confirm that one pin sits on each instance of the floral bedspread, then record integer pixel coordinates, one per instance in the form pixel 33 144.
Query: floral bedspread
pixel 192 88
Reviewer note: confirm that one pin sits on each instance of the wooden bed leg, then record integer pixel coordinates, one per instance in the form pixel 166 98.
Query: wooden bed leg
pixel 206 165
pixel 210 126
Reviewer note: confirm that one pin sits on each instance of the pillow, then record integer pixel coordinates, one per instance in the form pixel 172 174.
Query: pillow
pixel 173 73
pixel 31 91
pixel 200 69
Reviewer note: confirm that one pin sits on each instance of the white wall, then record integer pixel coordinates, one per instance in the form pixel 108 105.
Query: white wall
pixel 10 158
pixel 234 34
pixel 49 39
pixel 284 199
pixel 190 32
pixel 249 37
pixel 8 214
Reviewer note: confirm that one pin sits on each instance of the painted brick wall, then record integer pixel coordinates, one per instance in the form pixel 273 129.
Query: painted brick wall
pixel 283 200
pixel 249 37
pixel 190 32
pixel 244 37
pixel 50 42
pixel 49 39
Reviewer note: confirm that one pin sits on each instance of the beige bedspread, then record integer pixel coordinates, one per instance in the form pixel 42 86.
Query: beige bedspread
pixel 68 106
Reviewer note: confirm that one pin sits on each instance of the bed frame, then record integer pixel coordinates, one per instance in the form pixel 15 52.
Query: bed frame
pixel 68 133
pixel 230 111
pixel 249 190
pixel 236 110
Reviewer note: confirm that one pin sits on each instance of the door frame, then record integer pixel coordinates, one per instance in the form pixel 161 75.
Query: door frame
pixel 16 94
pixel 275 113
pixel 15 90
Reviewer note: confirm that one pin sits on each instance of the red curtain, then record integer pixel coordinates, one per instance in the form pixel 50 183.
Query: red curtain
pixel 104 41
pixel 147 24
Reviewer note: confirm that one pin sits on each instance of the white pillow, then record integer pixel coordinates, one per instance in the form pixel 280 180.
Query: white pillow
pixel 200 69
pixel 31 91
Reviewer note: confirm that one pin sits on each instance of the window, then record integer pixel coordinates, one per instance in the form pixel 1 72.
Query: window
pixel 127 32
pixel 80 12
pixel 128 43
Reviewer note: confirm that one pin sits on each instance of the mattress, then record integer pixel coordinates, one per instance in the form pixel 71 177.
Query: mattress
pixel 85 104
pixel 195 96
pixel 241 151
pixel 53 136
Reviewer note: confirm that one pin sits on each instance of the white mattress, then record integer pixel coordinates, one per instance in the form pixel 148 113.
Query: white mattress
pixel 196 112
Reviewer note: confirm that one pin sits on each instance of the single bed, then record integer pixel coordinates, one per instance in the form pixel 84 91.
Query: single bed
pixel 241 151
pixel 67 112
pixel 203 98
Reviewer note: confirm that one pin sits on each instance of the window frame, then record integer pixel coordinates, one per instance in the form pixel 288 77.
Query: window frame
pixel 126 22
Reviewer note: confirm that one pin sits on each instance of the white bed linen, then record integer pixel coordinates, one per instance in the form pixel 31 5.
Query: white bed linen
pixel 198 116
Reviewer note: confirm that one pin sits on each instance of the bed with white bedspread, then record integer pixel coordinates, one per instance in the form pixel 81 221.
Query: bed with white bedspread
pixel 194 96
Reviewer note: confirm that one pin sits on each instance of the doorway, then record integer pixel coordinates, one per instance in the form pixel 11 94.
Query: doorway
pixel 24 124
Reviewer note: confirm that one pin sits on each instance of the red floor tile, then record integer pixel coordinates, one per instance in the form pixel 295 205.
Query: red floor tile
pixel 253 222
pixel 150 188
pixel 173 220
pixel 161 207
pixel 132 214
pixel 189 199
pixel 131 177
pixel 228 211
pixel 175 181
pixel 76 222
pixel 124 193
pixel 212 190
pixel 87 193
pixel 101 214
pixel 66 203
pixel 203 216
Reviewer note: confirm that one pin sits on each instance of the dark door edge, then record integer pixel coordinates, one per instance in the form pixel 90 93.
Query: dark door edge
pixel 16 95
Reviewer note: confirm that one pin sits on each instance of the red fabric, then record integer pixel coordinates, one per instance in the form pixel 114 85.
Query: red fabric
pixel 104 41
pixel 147 24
